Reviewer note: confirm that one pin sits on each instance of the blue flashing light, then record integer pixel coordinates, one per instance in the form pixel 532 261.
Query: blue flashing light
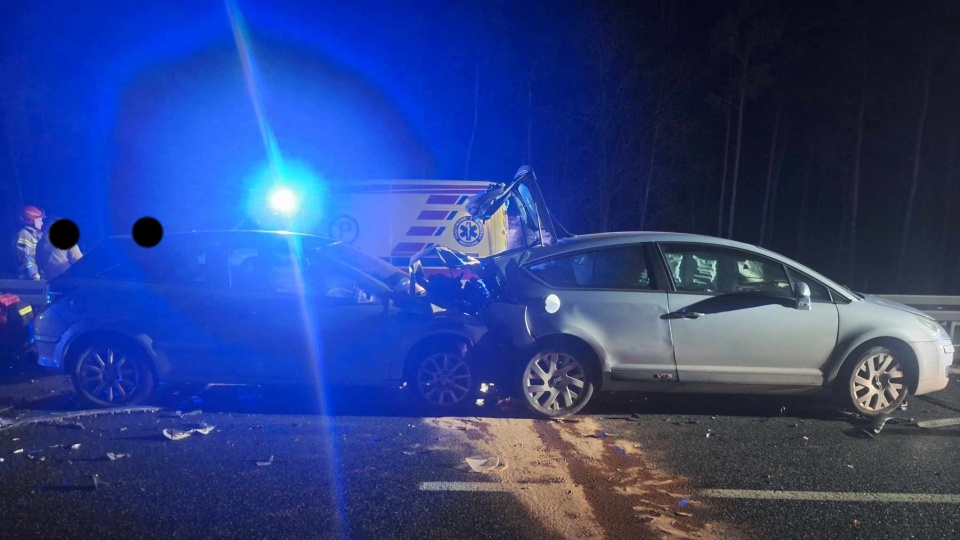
pixel 283 200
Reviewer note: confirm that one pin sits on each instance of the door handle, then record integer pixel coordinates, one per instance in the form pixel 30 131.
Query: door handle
pixel 683 315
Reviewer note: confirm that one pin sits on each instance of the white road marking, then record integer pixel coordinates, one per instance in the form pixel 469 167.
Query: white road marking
pixel 462 486
pixel 935 498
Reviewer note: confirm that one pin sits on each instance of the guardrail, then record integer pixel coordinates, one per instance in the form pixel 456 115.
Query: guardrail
pixel 29 291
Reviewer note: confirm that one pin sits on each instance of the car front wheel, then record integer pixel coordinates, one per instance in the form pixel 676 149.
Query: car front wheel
pixel 875 382
pixel 113 374
pixel 444 377
pixel 557 382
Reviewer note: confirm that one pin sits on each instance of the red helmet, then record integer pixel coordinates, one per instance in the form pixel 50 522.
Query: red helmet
pixel 31 213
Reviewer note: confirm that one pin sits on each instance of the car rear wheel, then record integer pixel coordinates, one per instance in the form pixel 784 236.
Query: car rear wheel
pixel 113 374
pixel 875 381
pixel 557 382
pixel 444 377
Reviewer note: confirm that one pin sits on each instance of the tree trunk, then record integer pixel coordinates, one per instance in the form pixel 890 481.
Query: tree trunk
pixel 473 132
pixel 723 182
pixel 947 207
pixel 773 193
pixel 803 206
pixel 770 162
pixel 530 118
pixel 915 177
pixel 736 155
pixel 646 189
pixel 855 202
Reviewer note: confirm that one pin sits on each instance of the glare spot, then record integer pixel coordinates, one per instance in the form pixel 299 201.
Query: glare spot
pixel 283 200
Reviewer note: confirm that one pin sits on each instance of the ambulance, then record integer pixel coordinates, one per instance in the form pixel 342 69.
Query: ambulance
pixel 396 219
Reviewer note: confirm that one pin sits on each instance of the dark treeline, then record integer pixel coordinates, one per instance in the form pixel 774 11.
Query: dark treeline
pixel 826 131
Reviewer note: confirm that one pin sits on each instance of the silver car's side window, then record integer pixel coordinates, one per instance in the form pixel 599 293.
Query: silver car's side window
pixel 818 292
pixel 707 269
pixel 621 268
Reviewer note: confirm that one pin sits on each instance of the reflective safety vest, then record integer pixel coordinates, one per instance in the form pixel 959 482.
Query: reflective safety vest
pixel 27 240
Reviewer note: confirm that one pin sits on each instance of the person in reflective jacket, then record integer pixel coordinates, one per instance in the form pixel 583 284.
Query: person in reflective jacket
pixel 26 243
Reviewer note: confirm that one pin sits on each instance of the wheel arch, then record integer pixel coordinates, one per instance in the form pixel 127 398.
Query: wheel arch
pixel 852 352
pixel 451 339
pixel 78 344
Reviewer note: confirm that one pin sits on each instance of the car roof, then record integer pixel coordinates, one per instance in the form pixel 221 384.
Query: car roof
pixel 181 235
pixel 599 240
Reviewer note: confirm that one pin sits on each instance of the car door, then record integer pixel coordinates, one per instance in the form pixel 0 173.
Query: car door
pixel 611 297
pixel 303 317
pixel 359 337
pixel 735 321
pixel 163 293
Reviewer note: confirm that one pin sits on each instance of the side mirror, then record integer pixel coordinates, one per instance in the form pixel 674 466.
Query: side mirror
pixel 802 294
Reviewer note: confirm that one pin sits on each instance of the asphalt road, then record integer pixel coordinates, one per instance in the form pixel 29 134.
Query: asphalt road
pixel 283 463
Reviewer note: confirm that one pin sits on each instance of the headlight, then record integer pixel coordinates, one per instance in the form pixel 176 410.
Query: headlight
pixel 932 325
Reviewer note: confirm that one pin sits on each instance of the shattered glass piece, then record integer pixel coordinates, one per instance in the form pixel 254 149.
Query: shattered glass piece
pixel 483 465
pixel 113 457
pixel 265 463
pixel 75 447
pixel 176 434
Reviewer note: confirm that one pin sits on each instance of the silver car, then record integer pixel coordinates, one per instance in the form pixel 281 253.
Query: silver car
pixel 670 312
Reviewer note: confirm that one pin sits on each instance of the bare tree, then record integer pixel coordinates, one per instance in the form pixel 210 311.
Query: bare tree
pixel 476 114
pixel 745 36
pixel 768 240
pixel 917 158
pixel 770 164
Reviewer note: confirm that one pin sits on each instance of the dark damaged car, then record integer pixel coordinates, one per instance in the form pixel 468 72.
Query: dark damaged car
pixel 671 312
pixel 248 307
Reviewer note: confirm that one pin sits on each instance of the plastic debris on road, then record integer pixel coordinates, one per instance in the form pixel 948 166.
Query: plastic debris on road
pixel 179 435
pixel 265 463
pixel 75 447
pixel 98 483
pixel 483 465
pixel 113 457
pixel 176 434
pixel 939 423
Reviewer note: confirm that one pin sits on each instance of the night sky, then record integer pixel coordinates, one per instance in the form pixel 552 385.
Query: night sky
pixel 113 110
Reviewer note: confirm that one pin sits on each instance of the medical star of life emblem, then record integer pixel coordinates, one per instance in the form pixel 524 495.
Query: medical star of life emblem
pixel 467 231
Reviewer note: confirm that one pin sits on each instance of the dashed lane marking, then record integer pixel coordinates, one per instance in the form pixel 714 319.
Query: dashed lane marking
pixel 935 498
pixel 462 486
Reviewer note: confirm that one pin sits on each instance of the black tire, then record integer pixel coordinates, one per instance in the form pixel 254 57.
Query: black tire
pixel 873 381
pixel 559 394
pixel 443 377
pixel 125 378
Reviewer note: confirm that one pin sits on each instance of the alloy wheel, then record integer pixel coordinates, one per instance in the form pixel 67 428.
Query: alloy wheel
pixel 444 379
pixel 878 381
pixel 108 374
pixel 555 382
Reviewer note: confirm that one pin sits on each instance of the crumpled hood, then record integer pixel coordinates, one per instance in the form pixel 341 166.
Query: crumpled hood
pixel 895 305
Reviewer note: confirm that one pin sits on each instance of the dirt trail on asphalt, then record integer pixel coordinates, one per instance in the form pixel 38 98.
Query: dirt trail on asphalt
pixel 581 484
